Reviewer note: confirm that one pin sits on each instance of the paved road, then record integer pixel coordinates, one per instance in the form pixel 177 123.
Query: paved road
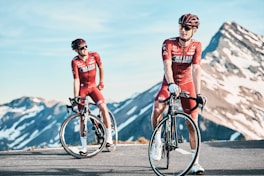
pixel 218 158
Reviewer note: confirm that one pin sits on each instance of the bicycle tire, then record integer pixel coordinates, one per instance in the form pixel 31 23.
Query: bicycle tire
pixel 70 136
pixel 179 158
pixel 166 151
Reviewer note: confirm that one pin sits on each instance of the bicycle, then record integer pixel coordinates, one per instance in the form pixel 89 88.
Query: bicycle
pixel 177 154
pixel 93 125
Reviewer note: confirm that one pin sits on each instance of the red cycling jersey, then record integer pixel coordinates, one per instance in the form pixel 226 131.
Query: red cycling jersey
pixel 182 60
pixel 86 72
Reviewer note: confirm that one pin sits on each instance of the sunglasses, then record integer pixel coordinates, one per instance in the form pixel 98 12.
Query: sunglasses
pixel 185 27
pixel 82 48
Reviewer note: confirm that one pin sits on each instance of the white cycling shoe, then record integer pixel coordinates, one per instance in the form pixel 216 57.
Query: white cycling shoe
pixel 197 169
pixel 156 151
pixel 109 142
pixel 83 151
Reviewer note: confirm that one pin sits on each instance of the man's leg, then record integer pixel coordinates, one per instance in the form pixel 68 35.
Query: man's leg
pixel 192 134
pixel 107 121
pixel 98 98
pixel 83 136
pixel 157 111
pixel 197 168
pixel 156 117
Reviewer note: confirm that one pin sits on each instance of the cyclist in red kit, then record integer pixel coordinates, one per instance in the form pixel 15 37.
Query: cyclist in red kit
pixel 84 67
pixel 181 60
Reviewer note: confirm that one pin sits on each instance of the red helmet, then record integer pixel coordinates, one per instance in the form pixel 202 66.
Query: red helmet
pixel 190 20
pixel 76 43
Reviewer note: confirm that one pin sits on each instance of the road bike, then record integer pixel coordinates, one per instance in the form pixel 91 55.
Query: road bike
pixel 93 126
pixel 177 155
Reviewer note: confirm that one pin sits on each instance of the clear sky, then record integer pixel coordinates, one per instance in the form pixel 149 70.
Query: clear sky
pixel 35 38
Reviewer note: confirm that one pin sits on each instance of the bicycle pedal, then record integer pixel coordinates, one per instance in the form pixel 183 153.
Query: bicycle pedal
pixel 108 145
pixel 180 140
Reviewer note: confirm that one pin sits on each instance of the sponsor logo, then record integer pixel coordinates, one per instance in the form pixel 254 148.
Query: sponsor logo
pixel 87 68
pixel 182 59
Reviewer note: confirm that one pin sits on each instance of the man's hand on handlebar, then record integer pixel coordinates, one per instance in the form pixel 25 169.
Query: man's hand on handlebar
pixel 173 88
pixel 200 99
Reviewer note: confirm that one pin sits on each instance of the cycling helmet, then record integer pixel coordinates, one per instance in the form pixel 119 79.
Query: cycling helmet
pixel 76 43
pixel 190 20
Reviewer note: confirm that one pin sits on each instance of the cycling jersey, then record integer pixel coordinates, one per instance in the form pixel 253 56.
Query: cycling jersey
pixel 182 60
pixel 86 72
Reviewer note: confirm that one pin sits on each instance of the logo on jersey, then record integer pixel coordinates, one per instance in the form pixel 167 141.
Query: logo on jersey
pixel 182 59
pixel 178 57
pixel 87 68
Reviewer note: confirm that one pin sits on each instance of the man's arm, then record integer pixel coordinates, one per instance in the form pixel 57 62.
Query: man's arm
pixel 101 74
pixel 196 74
pixel 168 71
pixel 101 78
pixel 76 87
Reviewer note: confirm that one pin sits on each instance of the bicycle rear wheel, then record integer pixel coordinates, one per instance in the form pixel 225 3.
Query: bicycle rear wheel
pixel 70 136
pixel 177 155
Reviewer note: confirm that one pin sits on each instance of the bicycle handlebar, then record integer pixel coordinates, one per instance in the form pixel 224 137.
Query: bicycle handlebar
pixel 76 101
pixel 185 94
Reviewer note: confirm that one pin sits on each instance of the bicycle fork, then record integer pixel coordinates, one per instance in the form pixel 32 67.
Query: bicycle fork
pixel 173 138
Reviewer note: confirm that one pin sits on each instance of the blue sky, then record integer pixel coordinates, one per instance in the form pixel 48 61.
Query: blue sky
pixel 36 35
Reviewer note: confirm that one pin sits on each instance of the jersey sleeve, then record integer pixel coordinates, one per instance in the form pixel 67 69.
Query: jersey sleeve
pixel 98 59
pixel 198 54
pixel 166 51
pixel 75 71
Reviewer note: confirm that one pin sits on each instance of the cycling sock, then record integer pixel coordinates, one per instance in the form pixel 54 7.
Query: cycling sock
pixel 158 137
pixel 83 142
pixel 109 135
pixel 197 158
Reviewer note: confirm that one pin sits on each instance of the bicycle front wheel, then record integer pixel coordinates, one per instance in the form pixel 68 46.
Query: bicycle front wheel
pixel 177 155
pixel 70 136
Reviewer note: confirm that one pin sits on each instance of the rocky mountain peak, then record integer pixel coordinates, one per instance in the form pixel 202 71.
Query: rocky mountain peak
pixel 233 79
pixel 231 34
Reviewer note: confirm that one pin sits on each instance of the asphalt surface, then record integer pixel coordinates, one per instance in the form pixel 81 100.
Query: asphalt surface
pixel 218 158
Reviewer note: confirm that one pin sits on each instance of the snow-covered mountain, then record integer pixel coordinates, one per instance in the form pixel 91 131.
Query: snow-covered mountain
pixel 233 73
pixel 233 80
pixel 30 122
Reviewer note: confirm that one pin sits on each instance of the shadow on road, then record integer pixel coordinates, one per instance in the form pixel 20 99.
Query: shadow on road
pixel 256 144
pixel 235 172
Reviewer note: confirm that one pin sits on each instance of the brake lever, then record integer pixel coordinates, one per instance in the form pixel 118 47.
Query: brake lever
pixel 203 105
pixel 68 107
pixel 184 94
